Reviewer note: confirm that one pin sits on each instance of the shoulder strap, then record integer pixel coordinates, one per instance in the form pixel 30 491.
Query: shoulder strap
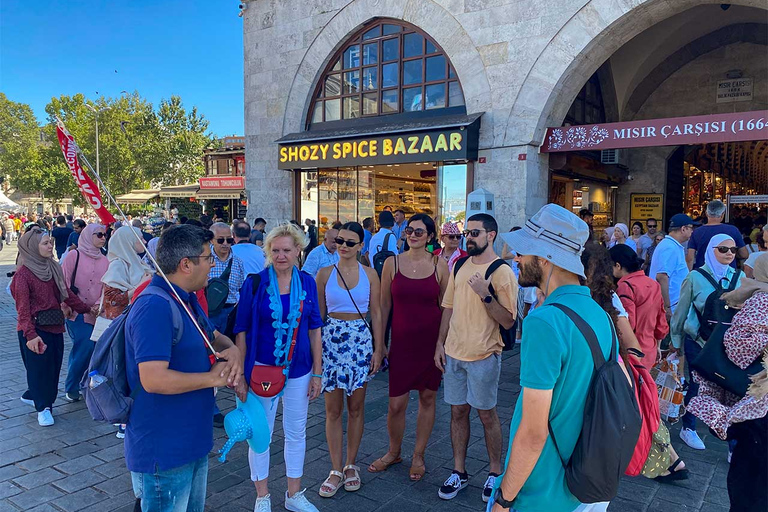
pixel 490 270
pixel 385 245
pixel 353 299
pixel 225 275
pixel 74 272
pixel 587 332
pixel 397 263
pixel 295 335
pixel 459 263
pixel 708 277
pixel 176 319
pixel 734 280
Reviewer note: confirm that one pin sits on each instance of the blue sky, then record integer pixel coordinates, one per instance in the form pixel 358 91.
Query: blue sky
pixel 192 48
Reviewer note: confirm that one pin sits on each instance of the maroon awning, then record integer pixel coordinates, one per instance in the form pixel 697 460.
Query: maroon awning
pixel 675 131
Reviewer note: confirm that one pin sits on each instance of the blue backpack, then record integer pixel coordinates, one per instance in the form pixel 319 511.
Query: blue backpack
pixel 111 401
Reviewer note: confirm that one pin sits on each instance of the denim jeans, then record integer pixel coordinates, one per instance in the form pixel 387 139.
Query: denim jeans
pixel 179 489
pixel 80 355
pixel 692 350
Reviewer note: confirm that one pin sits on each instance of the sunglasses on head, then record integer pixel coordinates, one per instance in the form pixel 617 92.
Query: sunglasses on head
pixel 348 243
pixel 418 232
pixel 453 237
pixel 100 235
pixel 723 249
pixel 229 240
pixel 474 233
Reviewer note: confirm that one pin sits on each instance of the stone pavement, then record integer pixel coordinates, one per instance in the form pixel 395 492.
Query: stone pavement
pixel 77 465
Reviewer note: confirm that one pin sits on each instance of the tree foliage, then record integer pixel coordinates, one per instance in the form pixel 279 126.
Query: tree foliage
pixel 140 146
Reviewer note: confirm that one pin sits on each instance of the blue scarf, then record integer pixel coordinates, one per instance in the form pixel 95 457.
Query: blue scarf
pixel 284 330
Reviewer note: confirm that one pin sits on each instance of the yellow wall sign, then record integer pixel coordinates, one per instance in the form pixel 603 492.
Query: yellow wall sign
pixel 398 148
pixel 646 206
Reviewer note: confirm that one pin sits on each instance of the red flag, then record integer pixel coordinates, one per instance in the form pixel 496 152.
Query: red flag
pixel 84 182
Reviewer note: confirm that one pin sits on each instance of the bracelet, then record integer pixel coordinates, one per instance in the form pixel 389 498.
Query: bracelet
pixel 316 375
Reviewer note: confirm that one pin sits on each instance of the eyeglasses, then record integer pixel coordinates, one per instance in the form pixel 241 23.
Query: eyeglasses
pixel 229 240
pixel 724 250
pixel 348 243
pixel 650 226
pixel 419 232
pixel 453 237
pixel 100 235
pixel 474 233
pixel 209 257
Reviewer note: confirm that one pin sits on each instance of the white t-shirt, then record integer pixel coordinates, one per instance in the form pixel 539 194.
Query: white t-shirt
pixel 669 258
pixel 616 301
pixel 752 258
pixel 252 255
pixel 377 242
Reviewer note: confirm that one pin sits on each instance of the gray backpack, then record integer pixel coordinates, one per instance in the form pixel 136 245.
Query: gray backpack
pixel 111 401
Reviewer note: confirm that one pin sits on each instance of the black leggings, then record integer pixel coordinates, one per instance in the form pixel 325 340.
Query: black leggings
pixel 748 472
pixel 43 369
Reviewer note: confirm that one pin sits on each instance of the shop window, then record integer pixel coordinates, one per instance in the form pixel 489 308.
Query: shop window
pixel 588 107
pixel 388 67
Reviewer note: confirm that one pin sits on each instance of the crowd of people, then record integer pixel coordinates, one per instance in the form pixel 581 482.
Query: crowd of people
pixel 294 313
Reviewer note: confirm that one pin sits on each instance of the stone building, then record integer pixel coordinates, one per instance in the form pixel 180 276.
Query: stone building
pixel 327 81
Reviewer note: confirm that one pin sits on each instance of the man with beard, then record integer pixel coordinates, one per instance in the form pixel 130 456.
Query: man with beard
pixel 469 347
pixel 556 364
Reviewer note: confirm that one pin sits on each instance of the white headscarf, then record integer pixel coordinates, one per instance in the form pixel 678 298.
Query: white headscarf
pixel 718 270
pixel 126 270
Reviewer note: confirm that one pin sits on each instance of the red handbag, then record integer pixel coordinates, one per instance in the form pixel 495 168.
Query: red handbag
pixel 268 381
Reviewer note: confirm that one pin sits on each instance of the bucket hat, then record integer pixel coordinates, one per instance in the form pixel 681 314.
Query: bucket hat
pixel 554 234
pixel 449 228
pixel 248 422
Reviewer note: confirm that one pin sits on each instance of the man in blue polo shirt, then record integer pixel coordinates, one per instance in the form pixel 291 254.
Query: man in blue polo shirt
pixel 170 429
pixel 556 364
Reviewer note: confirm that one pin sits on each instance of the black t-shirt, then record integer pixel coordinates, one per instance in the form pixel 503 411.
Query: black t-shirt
pixel 61 235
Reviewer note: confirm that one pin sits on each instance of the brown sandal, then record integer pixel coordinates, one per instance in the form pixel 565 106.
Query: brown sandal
pixel 380 464
pixel 417 472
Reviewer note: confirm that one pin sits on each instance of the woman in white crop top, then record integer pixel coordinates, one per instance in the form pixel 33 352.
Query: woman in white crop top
pixel 352 352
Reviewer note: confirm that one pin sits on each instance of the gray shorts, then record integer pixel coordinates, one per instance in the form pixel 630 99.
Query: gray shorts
pixel 472 382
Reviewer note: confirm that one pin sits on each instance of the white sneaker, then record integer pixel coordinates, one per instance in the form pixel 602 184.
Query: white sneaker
pixel 263 504
pixel 692 439
pixel 299 503
pixel 45 418
pixel 27 401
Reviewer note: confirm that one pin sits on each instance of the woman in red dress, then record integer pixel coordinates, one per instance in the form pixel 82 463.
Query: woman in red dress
pixel 412 287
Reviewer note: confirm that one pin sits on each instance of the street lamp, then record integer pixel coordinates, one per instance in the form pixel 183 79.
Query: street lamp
pixel 97 112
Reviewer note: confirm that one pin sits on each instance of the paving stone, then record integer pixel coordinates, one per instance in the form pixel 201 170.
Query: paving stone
pixel 41 461
pixel 79 481
pixel 38 478
pixel 79 464
pixel 9 489
pixel 9 472
pixel 28 499
pixel 79 500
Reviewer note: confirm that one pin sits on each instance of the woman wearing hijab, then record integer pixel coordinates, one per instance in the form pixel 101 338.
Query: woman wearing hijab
pixel 83 269
pixel 686 325
pixel 621 236
pixel 126 270
pixel 39 289
pixel 743 419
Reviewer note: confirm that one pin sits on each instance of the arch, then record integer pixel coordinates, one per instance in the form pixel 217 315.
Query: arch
pixel 576 52
pixel 427 15
pixel 756 33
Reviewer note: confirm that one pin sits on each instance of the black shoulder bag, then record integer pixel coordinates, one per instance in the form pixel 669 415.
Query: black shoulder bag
pixel 72 286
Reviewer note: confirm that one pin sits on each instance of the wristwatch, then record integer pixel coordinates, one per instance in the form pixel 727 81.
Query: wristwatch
pixel 498 498
pixel 488 299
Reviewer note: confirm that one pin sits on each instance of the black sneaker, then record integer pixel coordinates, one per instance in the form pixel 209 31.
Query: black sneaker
pixel 73 397
pixel 218 420
pixel 456 482
pixel 490 482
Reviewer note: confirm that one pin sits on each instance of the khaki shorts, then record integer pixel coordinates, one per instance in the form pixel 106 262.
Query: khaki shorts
pixel 472 382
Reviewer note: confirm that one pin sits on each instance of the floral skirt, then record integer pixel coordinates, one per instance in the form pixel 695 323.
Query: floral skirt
pixel 347 353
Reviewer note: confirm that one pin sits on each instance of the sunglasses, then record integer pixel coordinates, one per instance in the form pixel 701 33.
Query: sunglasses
pixel 723 249
pixel 650 226
pixel 453 237
pixel 229 240
pixel 348 243
pixel 419 232
pixel 100 235
pixel 474 233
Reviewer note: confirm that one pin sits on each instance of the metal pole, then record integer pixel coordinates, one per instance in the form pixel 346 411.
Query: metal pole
pixel 149 254
pixel 97 145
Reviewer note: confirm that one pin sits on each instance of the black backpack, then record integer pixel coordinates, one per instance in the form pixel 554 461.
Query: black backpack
pixel 611 428
pixel 716 311
pixel 382 256
pixel 507 335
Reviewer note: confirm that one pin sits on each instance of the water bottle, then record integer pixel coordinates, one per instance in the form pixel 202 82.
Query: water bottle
pixel 94 379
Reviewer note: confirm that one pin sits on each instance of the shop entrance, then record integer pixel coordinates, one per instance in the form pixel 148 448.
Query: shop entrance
pixel 354 193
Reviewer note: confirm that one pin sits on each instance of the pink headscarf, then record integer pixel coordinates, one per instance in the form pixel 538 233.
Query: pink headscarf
pixel 85 242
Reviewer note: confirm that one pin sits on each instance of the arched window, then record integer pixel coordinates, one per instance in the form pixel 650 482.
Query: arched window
pixel 387 67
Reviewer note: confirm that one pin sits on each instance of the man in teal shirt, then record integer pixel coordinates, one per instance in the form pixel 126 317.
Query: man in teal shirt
pixel 556 365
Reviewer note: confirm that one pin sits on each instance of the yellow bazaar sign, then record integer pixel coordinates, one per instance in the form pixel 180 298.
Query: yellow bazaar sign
pixel 398 148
